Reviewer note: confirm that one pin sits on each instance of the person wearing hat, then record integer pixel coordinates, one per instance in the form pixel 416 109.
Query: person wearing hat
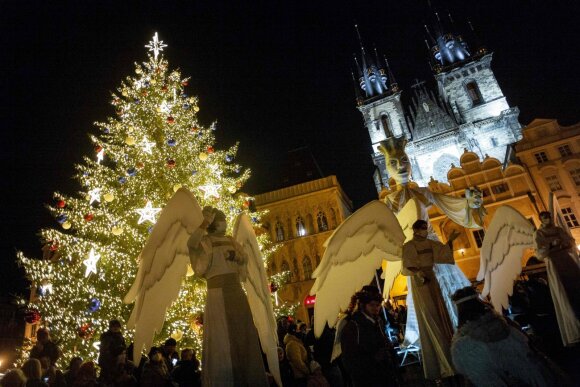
pixel 420 254
pixel 170 353
pixel 365 350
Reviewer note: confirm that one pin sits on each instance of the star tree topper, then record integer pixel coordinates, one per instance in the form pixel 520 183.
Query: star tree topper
pixel 156 45
pixel 91 262
pixel 147 213
pixel 210 190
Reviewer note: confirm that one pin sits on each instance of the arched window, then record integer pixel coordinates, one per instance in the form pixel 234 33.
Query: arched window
pixel 307 268
pixel 321 221
pixel 300 229
pixel 279 232
pixel 284 268
pixel 473 93
pixel 385 123
pixel 296 272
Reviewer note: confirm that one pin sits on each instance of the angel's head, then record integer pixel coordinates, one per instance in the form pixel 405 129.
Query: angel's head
pixel 219 224
pixel 396 160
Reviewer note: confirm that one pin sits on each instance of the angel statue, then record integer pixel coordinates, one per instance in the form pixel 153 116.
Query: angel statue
pixel 508 235
pixel 378 231
pixel 235 323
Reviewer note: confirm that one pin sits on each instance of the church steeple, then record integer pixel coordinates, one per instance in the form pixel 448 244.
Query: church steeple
pixel 372 76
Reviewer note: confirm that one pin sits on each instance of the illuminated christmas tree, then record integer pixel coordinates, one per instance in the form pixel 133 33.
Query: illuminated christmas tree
pixel 152 147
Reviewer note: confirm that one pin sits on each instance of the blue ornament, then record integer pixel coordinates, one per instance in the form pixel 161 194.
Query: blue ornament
pixel 254 219
pixel 137 101
pixel 122 180
pixel 193 172
pixel 229 158
pixel 237 170
pixel 94 305
pixel 171 142
pixel 150 229
pixel 131 171
pixel 61 218
pixel 186 106
pixel 183 95
pixel 147 83
pixel 106 130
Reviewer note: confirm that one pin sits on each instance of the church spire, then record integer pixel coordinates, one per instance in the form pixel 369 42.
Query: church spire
pixel 391 77
pixel 372 76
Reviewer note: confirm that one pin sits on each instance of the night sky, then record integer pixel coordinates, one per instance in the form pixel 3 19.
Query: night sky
pixel 275 75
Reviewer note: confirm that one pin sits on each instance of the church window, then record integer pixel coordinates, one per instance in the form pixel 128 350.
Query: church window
pixel 570 218
pixel 472 70
pixel 479 67
pixel 553 183
pixel 385 122
pixel 575 173
pixel 322 222
pixel 478 235
pixel 279 232
pixel 296 272
pixel 500 188
pixel 564 150
pixel 300 228
pixel 307 268
pixel 465 73
pixel 541 157
pixel 473 92
pixel 285 268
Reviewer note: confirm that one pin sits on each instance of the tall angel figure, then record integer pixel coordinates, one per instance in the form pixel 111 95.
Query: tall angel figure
pixel 235 324
pixel 376 232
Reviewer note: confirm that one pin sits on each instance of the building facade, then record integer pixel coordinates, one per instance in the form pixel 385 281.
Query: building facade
pixel 469 110
pixel 551 153
pixel 299 219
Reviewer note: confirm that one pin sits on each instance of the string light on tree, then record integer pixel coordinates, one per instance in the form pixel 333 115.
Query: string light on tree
pixel 91 262
pixel 147 213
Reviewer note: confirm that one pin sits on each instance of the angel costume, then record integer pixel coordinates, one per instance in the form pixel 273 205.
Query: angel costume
pixel 231 349
pixel 563 277
pixel 434 323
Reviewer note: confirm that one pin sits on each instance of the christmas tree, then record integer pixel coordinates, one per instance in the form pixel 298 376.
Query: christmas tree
pixel 152 147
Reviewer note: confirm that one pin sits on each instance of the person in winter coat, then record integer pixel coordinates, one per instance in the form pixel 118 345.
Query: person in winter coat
pixel 186 372
pixel 87 375
pixel 112 343
pixel 297 355
pixel 155 373
pixel 365 350
pixel 490 352
pixel 44 347
pixel 33 372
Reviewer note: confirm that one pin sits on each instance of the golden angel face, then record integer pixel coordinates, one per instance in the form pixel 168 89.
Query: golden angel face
pixel 399 167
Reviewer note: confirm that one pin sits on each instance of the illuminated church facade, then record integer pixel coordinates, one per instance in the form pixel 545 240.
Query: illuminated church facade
pixel 469 110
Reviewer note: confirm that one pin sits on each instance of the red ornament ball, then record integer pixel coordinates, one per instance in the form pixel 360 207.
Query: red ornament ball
pixel 194 129
pixel 170 163
pixel 89 217
pixel 170 120
pixel 164 88
pixel 85 331
pixel 60 204
pixel 144 93
pixel 246 204
pixel 140 165
pixel 32 316
pixel 210 149
pixel 184 83
pixel 98 148
pixel 273 288
pixel 53 246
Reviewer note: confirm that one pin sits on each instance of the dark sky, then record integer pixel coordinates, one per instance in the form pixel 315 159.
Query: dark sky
pixel 275 75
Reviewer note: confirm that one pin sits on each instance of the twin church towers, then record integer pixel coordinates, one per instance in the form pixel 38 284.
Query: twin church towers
pixel 469 110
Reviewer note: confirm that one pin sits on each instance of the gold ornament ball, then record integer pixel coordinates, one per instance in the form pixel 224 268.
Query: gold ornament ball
pixel 108 197
pixel 177 335
pixel 124 93
pixel 176 187
pixel 66 225
pixel 153 81
pixel 232 189
pixel 138 70
pixel 189 271
pixel 196 109
pixel 158 109
pixel 203 156
pixel 117 231
pixel 88 197
pixel 130 141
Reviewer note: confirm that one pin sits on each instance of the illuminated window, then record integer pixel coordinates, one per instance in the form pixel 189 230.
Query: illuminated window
pixel 279 232
pixel 473 93
pixel 307 268
pixel 300 229
pixel 570 218
pixel 541 157
pixel 500 188
pixel 564 150
pixel 575 173
pixel 478 235
pixel 553 183
pixel 322 222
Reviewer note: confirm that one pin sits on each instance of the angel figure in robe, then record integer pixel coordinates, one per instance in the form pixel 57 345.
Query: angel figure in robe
pixel 235 324
pixel 508 235
pixel 378 231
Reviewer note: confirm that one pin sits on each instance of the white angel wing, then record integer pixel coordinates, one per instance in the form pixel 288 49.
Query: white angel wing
pixel 353 252
pixel 163 263
pixel 406 217
pixel 256 285
pixel 506 238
